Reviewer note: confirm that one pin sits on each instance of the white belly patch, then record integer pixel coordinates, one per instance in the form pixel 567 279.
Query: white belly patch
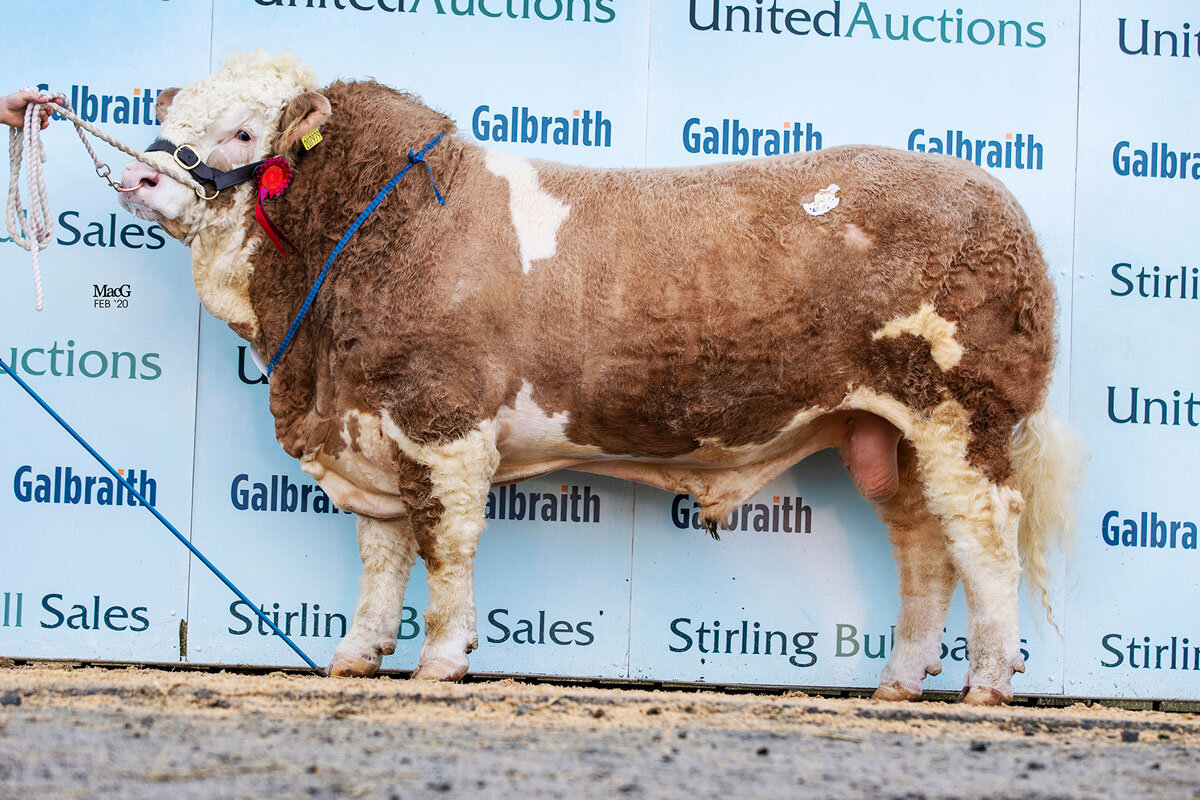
pixel 529 435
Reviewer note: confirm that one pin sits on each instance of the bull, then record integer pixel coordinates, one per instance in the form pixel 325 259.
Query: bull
pixel 699 330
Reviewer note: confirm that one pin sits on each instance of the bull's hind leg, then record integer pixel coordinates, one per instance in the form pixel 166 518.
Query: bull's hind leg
pixel 980 521
pixel 388 549
pixel 927 580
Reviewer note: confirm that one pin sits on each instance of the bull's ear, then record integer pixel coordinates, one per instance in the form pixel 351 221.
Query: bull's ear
pixel 301 117
pixel 163 104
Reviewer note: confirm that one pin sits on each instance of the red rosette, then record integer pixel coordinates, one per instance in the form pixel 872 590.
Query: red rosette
pixel 274 177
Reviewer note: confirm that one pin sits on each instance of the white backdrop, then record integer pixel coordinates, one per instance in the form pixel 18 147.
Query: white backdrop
pixel 1063 99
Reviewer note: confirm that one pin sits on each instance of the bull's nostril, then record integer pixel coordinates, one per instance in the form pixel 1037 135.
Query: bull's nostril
pixel 149 183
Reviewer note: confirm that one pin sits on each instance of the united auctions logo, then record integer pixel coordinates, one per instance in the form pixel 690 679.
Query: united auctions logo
pixel 70 361
pixel 1137 39
pixel 1176 411
pixel 249 371
pixel 547 10
pixel 946 28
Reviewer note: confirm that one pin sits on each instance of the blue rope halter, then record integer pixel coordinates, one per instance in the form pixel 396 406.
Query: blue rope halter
pixel 413 158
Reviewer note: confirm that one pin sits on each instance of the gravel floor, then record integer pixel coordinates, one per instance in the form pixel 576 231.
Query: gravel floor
pixel 101 733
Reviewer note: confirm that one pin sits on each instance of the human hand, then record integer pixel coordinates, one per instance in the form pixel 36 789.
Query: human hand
pixel 12 108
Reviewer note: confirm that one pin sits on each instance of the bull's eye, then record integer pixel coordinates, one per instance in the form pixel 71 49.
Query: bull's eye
pixel 243 136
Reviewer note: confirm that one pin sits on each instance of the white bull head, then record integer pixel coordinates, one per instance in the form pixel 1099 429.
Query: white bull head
pixel 255 106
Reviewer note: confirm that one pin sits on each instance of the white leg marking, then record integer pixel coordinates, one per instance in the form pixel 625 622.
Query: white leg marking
pixel 927 580
pixel 980 521
pixel 536 214
pixel 388 550
pixel 461 473
pixel 932 327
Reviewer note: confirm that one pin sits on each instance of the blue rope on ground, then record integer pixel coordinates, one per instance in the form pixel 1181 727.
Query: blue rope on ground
pixel 135 493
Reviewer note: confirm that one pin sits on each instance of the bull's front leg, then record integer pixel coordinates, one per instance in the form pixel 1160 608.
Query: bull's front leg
pixel 388 549
pixel 448 549
pixel 447 533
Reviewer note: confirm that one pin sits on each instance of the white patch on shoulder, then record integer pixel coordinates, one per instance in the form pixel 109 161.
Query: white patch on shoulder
pixel 935 329
pixel 536 214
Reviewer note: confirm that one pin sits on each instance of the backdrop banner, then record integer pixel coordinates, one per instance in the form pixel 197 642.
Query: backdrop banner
pixel 1085 111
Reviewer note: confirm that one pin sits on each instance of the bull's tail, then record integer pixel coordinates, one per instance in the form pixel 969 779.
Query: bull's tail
pixel 1048 456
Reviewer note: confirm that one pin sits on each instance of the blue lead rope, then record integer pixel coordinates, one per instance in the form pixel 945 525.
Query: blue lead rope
pixel 413 158
pixel 135 493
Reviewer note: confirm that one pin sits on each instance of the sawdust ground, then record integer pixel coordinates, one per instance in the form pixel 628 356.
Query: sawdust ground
pixel 95 732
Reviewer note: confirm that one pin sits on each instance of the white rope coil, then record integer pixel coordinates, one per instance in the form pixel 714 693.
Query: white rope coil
pixel 33 230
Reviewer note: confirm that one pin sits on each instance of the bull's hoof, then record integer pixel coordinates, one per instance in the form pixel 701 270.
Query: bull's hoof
pixel 983 696
pixel 344 666
pixel 890 690
pixel 441 669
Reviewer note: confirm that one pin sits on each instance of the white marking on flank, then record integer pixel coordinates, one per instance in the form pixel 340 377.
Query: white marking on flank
pixel 937 330
pixel 536 214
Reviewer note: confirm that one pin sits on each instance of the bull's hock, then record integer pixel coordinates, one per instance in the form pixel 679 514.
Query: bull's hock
pixel 699 330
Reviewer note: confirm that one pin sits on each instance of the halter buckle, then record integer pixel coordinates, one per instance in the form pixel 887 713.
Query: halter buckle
pixel 189 167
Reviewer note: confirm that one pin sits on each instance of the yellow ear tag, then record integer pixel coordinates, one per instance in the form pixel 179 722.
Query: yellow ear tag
pixel 311 139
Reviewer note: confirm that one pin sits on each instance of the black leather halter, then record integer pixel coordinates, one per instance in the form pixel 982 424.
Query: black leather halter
pixel 186 156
